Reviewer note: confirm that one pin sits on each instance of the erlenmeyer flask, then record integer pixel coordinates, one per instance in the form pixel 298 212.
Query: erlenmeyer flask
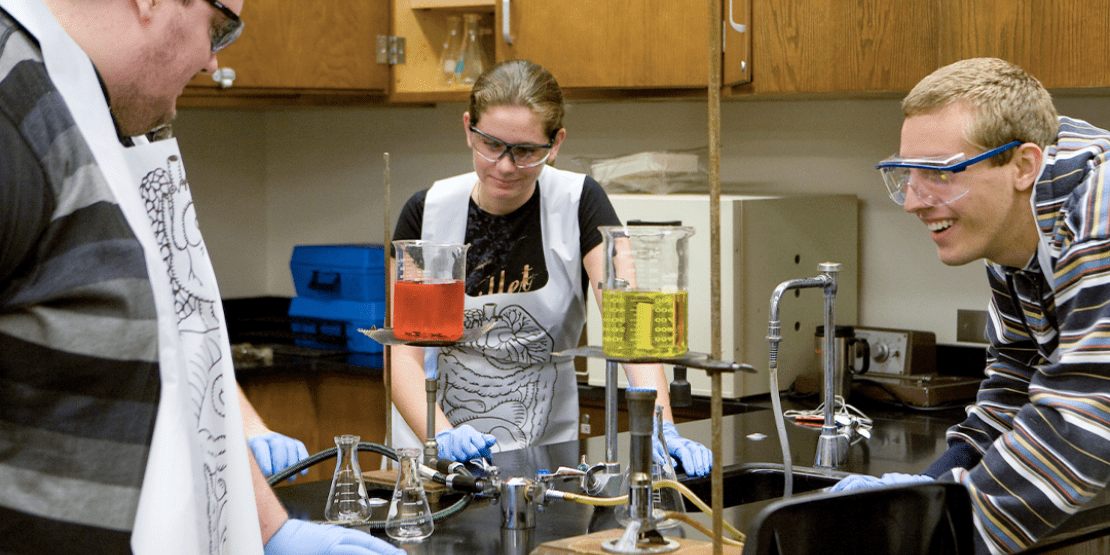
pixel 410 517
pixel 472 62
pixel 347 501
pixel 452 49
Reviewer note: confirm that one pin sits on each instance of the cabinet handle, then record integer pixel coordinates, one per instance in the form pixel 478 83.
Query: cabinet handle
pixel 225 76
pixel 732 20
pixel 505 31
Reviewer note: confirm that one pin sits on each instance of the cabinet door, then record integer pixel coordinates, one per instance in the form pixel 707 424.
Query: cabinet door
pixel 323 45
pixel 843 46
pixel 610 44
pixel 736 42
pixel 423 24
pixel 1061 43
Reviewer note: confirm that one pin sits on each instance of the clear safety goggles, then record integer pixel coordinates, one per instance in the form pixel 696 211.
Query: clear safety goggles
pixel 522 155
pixel 934 179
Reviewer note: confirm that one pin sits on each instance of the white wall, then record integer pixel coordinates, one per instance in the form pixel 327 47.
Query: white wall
pixel 266 180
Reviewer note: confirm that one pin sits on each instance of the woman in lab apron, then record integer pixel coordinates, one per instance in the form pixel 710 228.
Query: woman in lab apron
pixel 533 235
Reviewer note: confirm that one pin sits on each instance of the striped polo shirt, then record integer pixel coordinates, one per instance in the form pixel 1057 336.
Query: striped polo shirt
pixel 1036 444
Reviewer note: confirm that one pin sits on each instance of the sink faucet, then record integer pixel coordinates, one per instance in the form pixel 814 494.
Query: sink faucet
pixel 832 446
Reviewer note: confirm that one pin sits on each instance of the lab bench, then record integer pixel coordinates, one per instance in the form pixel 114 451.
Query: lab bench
pixel 314 395
pixel 900 442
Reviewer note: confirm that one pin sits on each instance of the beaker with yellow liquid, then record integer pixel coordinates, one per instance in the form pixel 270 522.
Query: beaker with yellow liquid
pixel 644 295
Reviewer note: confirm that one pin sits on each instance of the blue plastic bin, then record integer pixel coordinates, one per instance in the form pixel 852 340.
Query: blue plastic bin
pixel 339 272
pixel 334 325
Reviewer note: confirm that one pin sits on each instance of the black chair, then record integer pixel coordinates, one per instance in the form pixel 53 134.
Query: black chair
pixel 908 519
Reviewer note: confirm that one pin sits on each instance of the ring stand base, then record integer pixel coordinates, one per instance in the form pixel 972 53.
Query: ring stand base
pixel 591 544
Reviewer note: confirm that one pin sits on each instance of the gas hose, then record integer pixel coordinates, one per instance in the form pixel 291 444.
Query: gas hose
pixel 685 491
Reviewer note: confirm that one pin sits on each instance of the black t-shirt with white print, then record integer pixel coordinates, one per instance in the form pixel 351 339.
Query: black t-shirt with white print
pixel 506 251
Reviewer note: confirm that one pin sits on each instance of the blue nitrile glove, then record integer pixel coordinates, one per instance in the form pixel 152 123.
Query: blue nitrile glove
pixel 696 459
pixel 463 443
pixel 275 452
pixel 861 481
pixel 297 537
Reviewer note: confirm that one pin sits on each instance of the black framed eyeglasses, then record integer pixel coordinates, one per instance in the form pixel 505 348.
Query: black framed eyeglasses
pixel 522 155
pixel 225 32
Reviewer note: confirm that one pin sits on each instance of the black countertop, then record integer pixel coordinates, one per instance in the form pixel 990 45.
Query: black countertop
pixel 900 442
pixel 897 445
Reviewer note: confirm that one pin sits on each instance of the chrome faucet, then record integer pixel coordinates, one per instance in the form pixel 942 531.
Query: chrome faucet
pixel 832 446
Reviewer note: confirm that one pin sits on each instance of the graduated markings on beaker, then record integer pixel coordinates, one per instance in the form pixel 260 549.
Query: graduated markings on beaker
pixel 644 323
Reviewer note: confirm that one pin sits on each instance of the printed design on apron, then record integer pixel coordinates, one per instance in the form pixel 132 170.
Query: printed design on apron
pixel 169 204
pixel 504 382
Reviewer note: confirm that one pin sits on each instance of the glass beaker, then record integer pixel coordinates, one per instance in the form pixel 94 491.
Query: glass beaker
pixel 347 501
pixel 452 49
pixel 410 517
pixel 429 293
pixel 644 296
pixel 473 60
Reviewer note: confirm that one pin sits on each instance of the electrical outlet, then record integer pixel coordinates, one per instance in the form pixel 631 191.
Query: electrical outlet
pixel 971 326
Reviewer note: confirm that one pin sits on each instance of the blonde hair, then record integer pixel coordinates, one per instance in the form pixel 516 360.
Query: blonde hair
pixel 519 83
pixel 1008 104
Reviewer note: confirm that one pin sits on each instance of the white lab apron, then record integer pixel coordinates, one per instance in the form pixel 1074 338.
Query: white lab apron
pixel 506 383
pixel 197 495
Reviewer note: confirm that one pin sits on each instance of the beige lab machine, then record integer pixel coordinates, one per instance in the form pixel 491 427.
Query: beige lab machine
pixel 765 240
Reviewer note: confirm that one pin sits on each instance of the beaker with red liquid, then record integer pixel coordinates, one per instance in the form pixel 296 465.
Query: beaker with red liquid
pixel 429 293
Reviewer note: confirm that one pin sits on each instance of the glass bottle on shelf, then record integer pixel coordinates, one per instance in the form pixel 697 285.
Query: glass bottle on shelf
pixel 473 60
pixel 410 517
pixel 347 501
pixel 452 49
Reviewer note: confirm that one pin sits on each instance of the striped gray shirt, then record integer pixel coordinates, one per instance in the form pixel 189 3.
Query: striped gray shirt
pixel 79 379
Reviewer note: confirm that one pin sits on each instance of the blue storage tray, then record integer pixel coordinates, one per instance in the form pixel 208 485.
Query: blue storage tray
pixel 334 325
pixel 347 272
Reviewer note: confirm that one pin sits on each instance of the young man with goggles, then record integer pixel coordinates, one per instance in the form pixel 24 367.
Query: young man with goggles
pixel 1035 446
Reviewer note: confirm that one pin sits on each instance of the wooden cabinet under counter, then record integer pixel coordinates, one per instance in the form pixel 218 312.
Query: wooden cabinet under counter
pixel 314 407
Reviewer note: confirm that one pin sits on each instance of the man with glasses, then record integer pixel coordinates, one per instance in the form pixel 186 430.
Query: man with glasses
pixel 119 432
pixel 993 173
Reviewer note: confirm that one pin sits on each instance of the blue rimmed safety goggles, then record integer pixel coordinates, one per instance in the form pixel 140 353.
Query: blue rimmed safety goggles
pixel 933 178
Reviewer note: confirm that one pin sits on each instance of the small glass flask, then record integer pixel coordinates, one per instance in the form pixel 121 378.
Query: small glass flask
pixel 347 501
pixel 410 517
pixel 472 61
pixel 452 49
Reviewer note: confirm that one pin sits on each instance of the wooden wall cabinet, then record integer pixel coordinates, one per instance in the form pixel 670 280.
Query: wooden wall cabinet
pixel 327 51
pixel 613 44
pixel 293 49
pixel 875 46
pixel 842 47
pixel 636 48
pixel 1062 44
